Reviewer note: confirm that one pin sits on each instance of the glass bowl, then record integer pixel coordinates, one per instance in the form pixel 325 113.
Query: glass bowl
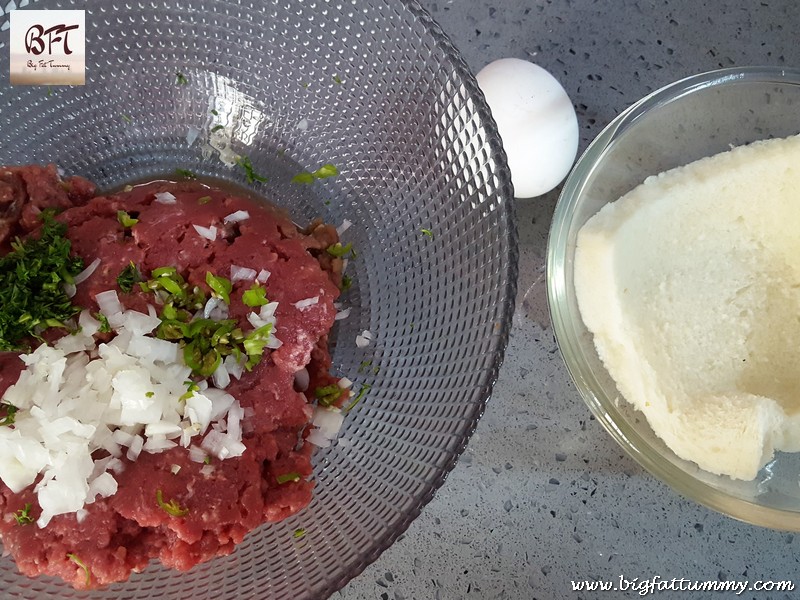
pixel 375 88
pixel 687 120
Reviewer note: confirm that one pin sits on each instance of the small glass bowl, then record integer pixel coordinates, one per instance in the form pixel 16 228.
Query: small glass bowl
pixel 696 117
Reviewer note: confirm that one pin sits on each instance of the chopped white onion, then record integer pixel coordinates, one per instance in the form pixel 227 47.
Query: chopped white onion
pixel 268 310
pixel 234 367
pixel 343 227
pixel 255 320
pixel 135 448
pixel 222 445
pixel 221 377
pixel 175 469
pixel 242 274
pixel 345 383
pixel 236 217
pixel 262 276
pixel 211 304
pixel 121 397
pixel 87 272
pixel 342 314
pixel 165 198
pixel 191 135
pixel 104 484
pixel 109 303
pixel 329 421
pixel 70 290
pixel 88 324
pixel 305 303
pixel 139 323
pixel 318 439
pixel 156 445
pixel 197 454
pixel 362 341
pixel 235 416
pixel 303 125
pixel 209 233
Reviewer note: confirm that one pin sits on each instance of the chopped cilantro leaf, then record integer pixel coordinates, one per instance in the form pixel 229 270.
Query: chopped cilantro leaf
pixel 338 250
pixel 364 389
pixel 49 91
pixel 347 283
pixel 304 177
pixel 129 276
pixel 191 388
pixel 364 364
pixel 327 170
pixel 427 232
pixel 125 219
pixel 298 533
pixel 172 508
pixel 216 128
pixel 207 460
pixel 181 78
pixel 337 79
pixel 74 558
pixel 149 394
pixel 287 477
pixel 249 171
pixel 105 327
pixel 204 199
pixel 186 173
pixel 126 118
pixel 32 278
pixel 255 296
pixel 10 415
pixel 214 112
pixel 23 515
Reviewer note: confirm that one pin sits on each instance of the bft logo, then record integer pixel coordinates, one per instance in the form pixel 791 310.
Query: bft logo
pixel 58 34
pixel 48 47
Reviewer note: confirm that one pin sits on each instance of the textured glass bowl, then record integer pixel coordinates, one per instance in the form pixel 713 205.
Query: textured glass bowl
pixel 374 87
pixel 696 117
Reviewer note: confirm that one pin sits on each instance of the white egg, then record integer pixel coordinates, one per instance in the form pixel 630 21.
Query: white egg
pixel 536 121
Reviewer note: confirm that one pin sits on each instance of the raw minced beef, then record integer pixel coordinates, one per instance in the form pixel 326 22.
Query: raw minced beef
pixel 120 534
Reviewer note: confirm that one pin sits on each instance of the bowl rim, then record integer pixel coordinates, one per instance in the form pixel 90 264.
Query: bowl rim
pixel 603 408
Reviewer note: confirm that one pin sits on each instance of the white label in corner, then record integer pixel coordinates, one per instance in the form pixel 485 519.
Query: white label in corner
pixel 48 47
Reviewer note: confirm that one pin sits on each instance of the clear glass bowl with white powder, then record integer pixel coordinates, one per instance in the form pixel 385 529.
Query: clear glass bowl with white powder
pixel 693 118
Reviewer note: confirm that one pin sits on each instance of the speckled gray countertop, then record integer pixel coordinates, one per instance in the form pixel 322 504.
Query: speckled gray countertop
pixel 543 495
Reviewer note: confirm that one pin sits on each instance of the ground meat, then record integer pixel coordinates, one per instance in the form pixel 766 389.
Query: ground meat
pixel 26 191
pixel 121 533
